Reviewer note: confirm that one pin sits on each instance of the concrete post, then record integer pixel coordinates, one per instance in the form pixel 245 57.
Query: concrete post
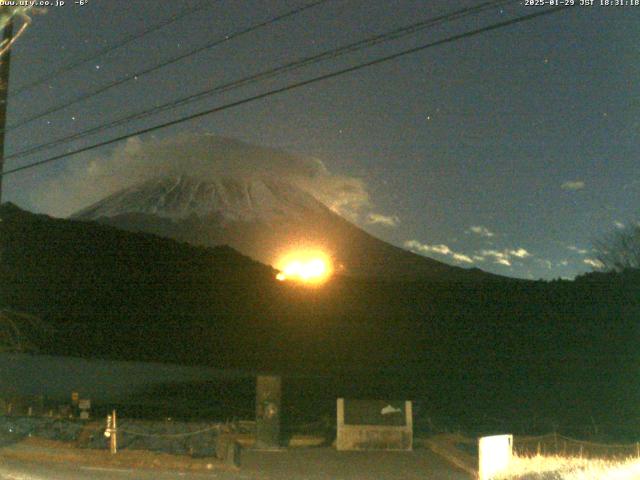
pixel 268 400
pixel 494 456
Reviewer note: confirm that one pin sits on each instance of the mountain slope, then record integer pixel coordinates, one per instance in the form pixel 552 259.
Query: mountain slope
pixel 260 216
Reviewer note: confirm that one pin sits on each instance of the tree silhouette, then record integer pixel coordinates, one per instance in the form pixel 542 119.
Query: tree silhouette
pixel 620 250
pixel 20 332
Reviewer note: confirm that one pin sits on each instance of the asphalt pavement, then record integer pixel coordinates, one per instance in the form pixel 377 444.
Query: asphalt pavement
pixel 290 464
pixel 21 470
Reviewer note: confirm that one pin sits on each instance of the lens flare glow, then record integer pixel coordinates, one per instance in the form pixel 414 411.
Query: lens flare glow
pixel 311 267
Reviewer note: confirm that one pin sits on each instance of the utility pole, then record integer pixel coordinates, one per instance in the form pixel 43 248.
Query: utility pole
pixel 5 63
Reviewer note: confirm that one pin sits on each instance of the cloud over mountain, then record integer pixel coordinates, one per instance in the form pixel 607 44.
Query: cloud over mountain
pixel 440 249
pixel 385 220
pixel 202 156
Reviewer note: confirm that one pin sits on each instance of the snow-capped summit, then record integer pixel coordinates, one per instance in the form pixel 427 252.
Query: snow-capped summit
pixel 229 198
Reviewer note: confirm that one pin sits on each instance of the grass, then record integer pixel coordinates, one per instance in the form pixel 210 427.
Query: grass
pixel 556 467
pixel 45 451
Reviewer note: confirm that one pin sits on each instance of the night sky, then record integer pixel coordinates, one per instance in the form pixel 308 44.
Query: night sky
pixel 511 151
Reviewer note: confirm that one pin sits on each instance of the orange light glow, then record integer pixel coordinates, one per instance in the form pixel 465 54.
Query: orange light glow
pixel 310 267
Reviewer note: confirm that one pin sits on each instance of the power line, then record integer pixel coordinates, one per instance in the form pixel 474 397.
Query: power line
pixel 293 86
pixel 127 78
pixel 331 54
pixel 110 48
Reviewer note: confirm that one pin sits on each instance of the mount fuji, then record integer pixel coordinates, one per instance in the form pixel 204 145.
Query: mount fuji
pixel 261 216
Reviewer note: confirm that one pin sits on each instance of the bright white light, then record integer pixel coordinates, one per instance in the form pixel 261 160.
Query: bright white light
pixel 305 266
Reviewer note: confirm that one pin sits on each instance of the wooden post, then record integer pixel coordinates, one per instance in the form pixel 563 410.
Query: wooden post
pixel 339 423
pixel 113 439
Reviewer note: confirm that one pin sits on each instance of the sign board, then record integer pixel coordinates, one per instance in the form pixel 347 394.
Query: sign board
pixel 75 396
pixel 495 454
pixel 84 415
pixel 84 404
pixel 375 412
pixel 374 425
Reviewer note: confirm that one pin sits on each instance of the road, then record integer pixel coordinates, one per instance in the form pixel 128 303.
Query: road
pixel 292 464
pixel 21 470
